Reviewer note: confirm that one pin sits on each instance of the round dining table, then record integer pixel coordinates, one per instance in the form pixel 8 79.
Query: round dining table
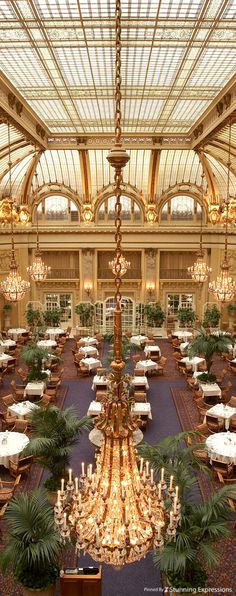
pixel 222 447
pixel 11 444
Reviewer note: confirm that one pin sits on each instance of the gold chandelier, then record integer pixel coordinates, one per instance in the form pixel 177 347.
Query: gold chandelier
pixel 121 265
pixel 224 288
pixel 117 513
pixel 13 287
pixel 200 271
pixel 38 271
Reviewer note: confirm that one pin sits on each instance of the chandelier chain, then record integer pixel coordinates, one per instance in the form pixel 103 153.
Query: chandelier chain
pixel 118 74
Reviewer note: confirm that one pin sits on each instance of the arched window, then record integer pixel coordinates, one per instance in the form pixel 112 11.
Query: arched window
pixel 181 208
pixel 57 208
pixel 130 211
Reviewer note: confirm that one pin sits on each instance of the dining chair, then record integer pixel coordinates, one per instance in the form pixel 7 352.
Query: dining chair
pixel 232 424
pixel 140 396
pixel 7 489
pixel 22 466
pixel 20 426
pixel 225 468
pixel 214 423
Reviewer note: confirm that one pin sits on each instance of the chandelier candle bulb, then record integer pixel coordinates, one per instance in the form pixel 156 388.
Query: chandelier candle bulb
pixel 126 514
pixel 152 475
pixel 171 483
pixel 177 492
pixel 175 505
pixel 162 474
pixel 141 465
pixel 70 475
pixel 147 468
pixel 76 485
pixel 62 485
pixel 64 522
pixel 82 468
pixel 58 498
pixel 171 519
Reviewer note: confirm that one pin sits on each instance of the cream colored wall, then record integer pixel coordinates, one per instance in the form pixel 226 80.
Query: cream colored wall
pixel 88 241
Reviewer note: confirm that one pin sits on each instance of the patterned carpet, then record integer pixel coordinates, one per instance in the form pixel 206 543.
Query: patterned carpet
pixel 222 579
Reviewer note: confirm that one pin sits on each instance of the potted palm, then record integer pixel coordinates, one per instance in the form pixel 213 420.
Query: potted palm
pixel 52 317
pixel 209 344
pixel 186 317
pixel 33 545
pixel 34 356
pixel 7 308
pixel 212 316
pixel 155 315
pixel 34 317
pixel 184 561
pixel 85 310
pixel 231 311
pixel 53 435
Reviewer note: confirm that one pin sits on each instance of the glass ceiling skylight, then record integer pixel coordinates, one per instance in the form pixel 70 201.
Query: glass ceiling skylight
pixel 176 57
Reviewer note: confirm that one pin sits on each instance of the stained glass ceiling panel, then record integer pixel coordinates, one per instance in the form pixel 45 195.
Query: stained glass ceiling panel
pixel 177 55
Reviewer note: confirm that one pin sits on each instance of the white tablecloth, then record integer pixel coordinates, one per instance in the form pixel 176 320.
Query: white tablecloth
pixel 53 331
pixel 88 341
pixel 182 334
pixel 35 388
pixel 4 359
pixel 222 411
pixel 147 365
pixel 193 361
pixel 99 380
pixel 232 349
pixel 16 332
pixel 142 409
pixel 210 389
pixel 91 362
pixel 222 446
pixel 183 346
pixel 150 350
pixel 11 449
pixel 95 408
pixel 21 409
pixel 89 350
pixel 46 343
pixel 5 344
pixel 138 339
pixel 140 381
pixel 95 436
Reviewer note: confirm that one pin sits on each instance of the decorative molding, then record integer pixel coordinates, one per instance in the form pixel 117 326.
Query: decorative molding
pixel 15 104
pixel 224 104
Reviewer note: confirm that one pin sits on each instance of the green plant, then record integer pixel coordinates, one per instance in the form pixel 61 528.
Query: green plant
pixel 52 317
pixel 231 309
pixel 212 316
pixel 54 433
pixel 85 310
pixel 186 317
pixel 33 356
pixel 33 316
pixel 201 525
pixel 7 307
pixel 206 378
pixel 33 546
pixel 155 314
pixel 208 344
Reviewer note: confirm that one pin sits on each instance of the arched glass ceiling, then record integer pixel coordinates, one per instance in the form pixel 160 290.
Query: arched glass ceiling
pixel 176 58
pixel 19 147
pixel 178 166
pixel 62 167
pixel 135 173
pixel 18 173
pixel 220 173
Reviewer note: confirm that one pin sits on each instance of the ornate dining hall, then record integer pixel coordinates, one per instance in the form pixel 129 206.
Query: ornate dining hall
pixel 117 297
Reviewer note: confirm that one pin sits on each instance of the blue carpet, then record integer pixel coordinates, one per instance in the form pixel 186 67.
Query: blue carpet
pixel 134 578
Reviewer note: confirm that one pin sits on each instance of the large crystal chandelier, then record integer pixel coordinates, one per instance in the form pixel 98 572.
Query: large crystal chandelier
pixel 200 271
pixel 38 271
pixel 121 265
pixel 13 287
pixel 116 512
pixel 224 288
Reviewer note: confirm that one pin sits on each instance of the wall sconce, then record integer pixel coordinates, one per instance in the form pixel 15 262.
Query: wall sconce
pixel 88 288
pixel 150 287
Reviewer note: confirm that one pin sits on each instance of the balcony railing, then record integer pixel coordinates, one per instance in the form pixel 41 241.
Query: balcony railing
pixel 174 274
pixel 130 274
pixel 64 274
